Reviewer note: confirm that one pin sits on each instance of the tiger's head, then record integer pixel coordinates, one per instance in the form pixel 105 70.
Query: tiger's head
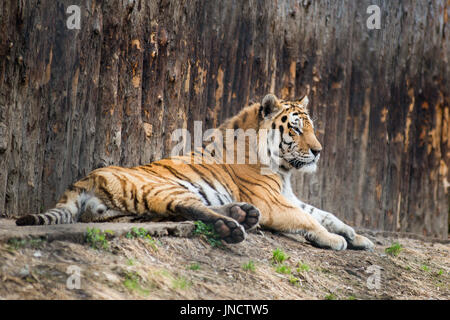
pixel 292 143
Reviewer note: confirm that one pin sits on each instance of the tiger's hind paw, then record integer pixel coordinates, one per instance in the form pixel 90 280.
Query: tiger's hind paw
pixel 244 213
pixel 229 230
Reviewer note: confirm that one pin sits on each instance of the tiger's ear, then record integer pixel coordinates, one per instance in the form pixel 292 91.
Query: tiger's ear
pixel 269 106
pixel 304 102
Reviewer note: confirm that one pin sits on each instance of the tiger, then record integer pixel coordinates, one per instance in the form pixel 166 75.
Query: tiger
pixel 234 198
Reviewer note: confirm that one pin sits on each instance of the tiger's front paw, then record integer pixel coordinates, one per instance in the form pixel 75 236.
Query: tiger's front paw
pixel 361 243
pixel 230 230
pixel 347 232
pixel 337 242
pixel 327 240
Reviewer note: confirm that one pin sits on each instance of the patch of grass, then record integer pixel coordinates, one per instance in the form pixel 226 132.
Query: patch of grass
pixel 33 243
pixel 153 243
pixel 136 233
pixel 249 266
pixel 133 283
pixel 394 249
pixel 279 256
pixel 181 283
pixel 294 281
pixel 330 296
pixel 440 272
pixel 178 282
pixel 351 298
pixel 283 269
pixel 194 266
pixel 302 267
pixel 130 262
pixel 98 239
pixel 142 234
pixel 207 231
pixel 425 268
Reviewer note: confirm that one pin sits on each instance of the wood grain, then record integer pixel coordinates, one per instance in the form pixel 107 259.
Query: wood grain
pixel 113 92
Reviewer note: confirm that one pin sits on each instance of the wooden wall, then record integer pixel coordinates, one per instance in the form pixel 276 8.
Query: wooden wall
pixel 114 90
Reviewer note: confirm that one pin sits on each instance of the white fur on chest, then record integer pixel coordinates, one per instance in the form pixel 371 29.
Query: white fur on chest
pixel 286 190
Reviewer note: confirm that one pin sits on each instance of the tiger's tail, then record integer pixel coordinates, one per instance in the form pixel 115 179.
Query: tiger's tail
pixel 67 210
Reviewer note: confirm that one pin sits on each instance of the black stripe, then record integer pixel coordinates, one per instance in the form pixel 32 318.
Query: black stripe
pixel 169 204
pixel 144 198
pixel 156 174
pixel 225 167
pixel 134 195
pixel 207 181
pixel 102 186
pixel 182 186
pixel 175 193
pixel 164 188
pixel 274 180
pixel 195 186
pixel 123 183
pixel 72 187
pixel 260 181
pixel 41 219
pixel 54 215
pixel 109 196
pixel 203 177
pixel 218 195
pixel 254 195
pixel 172 171
pixel 239 185
pixel 224 184
pixel 203 194
pixel 64 216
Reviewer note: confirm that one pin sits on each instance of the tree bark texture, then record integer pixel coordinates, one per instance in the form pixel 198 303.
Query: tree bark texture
pixel 113 91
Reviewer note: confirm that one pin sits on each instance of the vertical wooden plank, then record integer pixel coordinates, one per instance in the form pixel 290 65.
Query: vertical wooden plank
pixel 109 115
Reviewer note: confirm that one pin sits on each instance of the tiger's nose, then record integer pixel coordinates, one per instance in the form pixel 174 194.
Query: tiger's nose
pixel 315 152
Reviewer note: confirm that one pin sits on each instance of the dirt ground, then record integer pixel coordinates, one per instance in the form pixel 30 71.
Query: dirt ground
pixel 174 267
